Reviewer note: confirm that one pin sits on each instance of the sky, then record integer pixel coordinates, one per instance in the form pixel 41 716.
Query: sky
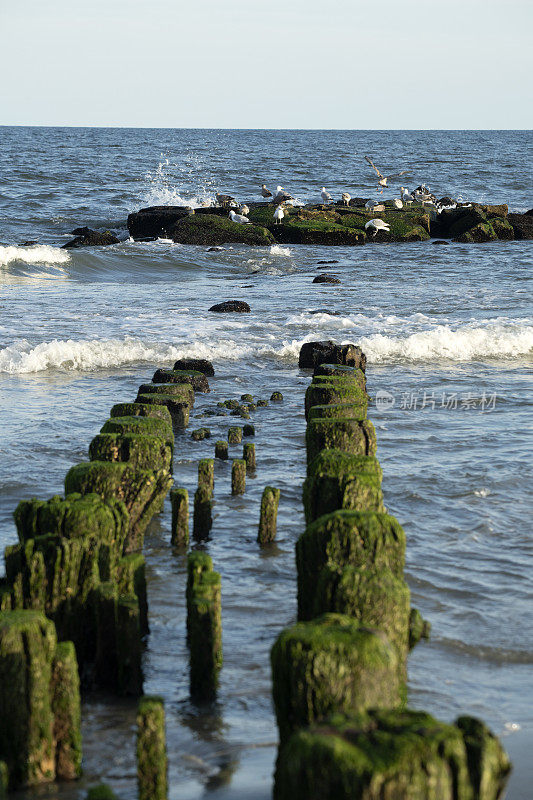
pixel 347 64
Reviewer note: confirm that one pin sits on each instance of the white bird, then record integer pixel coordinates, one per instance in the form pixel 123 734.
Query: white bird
pixel 396 203
pixel 281 195
pixel 370 205
pixel 278 215
pixel 377 225
pixel 346 198
pixel 244 209
pixel 326 197
pixel 265 192
pixel 239 218
pixel 406 197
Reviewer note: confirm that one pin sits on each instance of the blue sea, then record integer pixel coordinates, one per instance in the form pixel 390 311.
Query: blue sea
pixel 448 332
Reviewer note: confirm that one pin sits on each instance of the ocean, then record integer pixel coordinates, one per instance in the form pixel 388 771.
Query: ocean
pixel 448 332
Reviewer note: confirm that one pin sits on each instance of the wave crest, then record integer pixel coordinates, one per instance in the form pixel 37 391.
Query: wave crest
pixel 34 254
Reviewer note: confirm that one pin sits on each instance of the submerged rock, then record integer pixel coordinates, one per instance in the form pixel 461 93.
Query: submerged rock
pixel 155 221
pixel 196 365
pixel 326 279
pixel 90 238
pixel 231 306
pixel 522 225
pixel 211 229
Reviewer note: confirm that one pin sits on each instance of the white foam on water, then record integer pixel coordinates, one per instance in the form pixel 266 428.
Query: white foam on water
pixel 278 250
pixel 34 254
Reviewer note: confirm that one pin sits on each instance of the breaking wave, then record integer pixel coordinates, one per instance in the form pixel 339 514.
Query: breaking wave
pixel 33 254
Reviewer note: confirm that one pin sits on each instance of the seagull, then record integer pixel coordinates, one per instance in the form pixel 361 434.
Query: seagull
pixel 225 199
pixel 239 218
pixel 206 203
pixel 190 211
pixel 406 197
pixel 278 215
pixel 396 203
pixel 370 205
pixel 326 197
pixel 265 192
pixel 377 225
pixel 281 195
pixel 244 209
pixel 346 198
pixel 384 178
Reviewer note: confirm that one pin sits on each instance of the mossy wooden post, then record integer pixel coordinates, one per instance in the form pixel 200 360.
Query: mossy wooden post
pixel 131 580
pixel 151 749
pixel 248 454
pixel 221 450
pixel 179 499
pixel 66 707
pixel 129 647
pixel 203 498
pixel 198 562
pixel 268 517
pixel 234 435
pixel 238 476
pixel 205 636
pixel 106 612
pixel 27 645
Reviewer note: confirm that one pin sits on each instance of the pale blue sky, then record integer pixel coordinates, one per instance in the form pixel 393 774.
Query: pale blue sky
pixel 293 64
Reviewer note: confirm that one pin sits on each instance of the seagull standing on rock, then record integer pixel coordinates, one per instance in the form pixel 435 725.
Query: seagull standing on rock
pixel 278 215
pixel 244 210
pixel 240 219
pixel 326 197
pixel 281 196
pixel 346 198
pixel 265 192
pixel 377 225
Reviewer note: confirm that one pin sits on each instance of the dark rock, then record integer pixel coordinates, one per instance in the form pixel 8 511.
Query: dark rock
pixel 154 221
pixel 214 249
pixel 91 239
pixel 522 224
pixel 440 241
pixel 213 229
pixel 195 378
pixel 324 311
pixel 147 239
pixel 29 244
pixel 195 364
pixel 326 279
pixel 445 201
pixel 81 231
pixel 231 306
pixel 328 262
pixel 328 352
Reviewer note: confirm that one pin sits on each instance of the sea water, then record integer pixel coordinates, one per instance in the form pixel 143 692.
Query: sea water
pixel 448 332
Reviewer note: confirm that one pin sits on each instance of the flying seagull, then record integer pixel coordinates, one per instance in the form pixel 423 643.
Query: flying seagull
pixel 382 179
pixel 265 192
pixel 239 218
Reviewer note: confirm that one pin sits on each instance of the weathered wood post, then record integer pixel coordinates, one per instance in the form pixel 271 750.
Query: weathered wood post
pixel 151 749
pixel 238 476
pixel 179 499
pixel 269 515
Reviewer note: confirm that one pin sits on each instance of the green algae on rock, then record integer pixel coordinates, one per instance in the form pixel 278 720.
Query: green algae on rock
pixel 338 410
pixel 234 435
pixel 248 454
pixel 139 450
pixel 151 749
pixel 211 229
pixel 349 435
pixel 101 792
pixel 329 664
pixel 200 434
pixel 140 410
pixel 359 538
pixel 397 753
pixel 66 708
pixel 419 628
pixel 221 450
pixel 178 391
pixel 141 426
pixel 178 409
pixel 205 633
pixel 196 379
pixel 238 476
pixel 131 580
pixel 326 389
pixel 339 480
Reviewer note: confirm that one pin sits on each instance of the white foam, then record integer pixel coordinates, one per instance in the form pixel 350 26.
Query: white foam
pixel 34 254
pixel 278 250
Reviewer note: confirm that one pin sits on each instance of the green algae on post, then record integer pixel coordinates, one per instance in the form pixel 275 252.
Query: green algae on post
pixel 179 499
pixel 248 454
pixel 234 435
pixel 140 450
pixel 200 434
pixel 66 707
pixel 140 410
pixel 151 749
pixel 148 426
pixel 419 628
pixel 129 646
pixel 349 435
pixel 268 517
pixel 205 636
pixel 331 664
pixel 276 397
pixel 131 580
pixel 221 450
pixel 248 430
pixel 101 792
pixel 238 476
pixel 182 392
pixel 178 409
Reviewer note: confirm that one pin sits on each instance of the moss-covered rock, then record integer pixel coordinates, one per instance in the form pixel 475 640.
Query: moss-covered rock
pixel 419 628
pixel 234 435
pixel 357 538
pixel 349 435
pixel 380 754
pixel 333 410
pixel 205 635
pixel 488 763
pixel 178 409
pixel 139 450
pixel 27 646
pixel 196 379
pixel 131 581
pixel 268 515
pixel 374 597
pixel 339 480
pixel 101 792
pixel 329 352
pixel 151 749
pixel 140 410
pixel 142 491
pixel 331 664
pixel 483 232
pixel 66 708
pixel 211 229
pixel 183 392
pixel 140 426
